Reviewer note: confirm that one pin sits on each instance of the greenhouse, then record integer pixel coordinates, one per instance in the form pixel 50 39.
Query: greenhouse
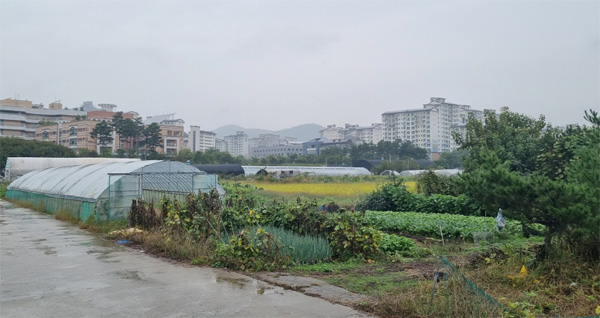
pixel 315 171
pixel 441 172
pixel 107 190
pixel 19 166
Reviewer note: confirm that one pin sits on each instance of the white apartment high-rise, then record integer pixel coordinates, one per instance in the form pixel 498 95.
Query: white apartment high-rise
pixel 429 127
pixel 200 140
pixel 237 145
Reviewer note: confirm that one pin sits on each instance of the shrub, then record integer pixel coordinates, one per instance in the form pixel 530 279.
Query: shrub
pixel 252 250
pixel 395 197
pixel 351 236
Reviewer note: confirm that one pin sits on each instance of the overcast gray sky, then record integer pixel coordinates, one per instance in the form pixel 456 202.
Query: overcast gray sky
pixel 277 64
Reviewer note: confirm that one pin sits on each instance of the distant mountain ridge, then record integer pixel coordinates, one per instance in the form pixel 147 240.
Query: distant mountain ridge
pixel 303 133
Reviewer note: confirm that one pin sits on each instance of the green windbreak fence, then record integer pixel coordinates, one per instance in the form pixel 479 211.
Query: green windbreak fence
pixel 76 208
pixel 454 295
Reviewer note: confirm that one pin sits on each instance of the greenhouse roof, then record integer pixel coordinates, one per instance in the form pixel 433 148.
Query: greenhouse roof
pixel 18 166
pixel 88 182
pixel 443 172
pixel 319 171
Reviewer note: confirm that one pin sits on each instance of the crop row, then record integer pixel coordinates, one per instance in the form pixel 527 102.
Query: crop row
pixel 432 225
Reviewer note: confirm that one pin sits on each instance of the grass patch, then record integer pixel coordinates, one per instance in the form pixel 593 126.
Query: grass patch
pixel 177 247
pixel 333 267
pixel 62 215
pixel 373 285
pixel 102 227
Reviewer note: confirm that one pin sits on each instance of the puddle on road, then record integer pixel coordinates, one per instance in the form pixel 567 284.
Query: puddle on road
pixel 238 282
pixel 50 251
pixel 241 283
pixel 129 274
pixel 269 290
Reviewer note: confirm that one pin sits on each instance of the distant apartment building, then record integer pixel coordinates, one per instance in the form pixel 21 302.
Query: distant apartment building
pixel 332 132
pixel 237 145
pixel 19 118
pixel 172 132
pixel 221 145
pixel 429 127
pixel 200 140
pixel 277 151
pixel 369 134
pixel 76 134
pixel 266 145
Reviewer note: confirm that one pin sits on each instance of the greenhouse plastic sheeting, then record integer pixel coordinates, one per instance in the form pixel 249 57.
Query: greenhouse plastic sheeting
pixel 77 209
pixel 108 188
pixel 85 183
pixel 317 171
pixel 19 166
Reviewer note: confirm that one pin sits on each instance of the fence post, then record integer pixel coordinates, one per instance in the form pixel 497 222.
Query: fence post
pixel 435 280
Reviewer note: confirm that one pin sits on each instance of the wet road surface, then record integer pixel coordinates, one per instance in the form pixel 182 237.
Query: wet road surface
pixel 50 268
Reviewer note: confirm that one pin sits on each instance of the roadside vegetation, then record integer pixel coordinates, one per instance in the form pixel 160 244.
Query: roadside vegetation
pixel 435 249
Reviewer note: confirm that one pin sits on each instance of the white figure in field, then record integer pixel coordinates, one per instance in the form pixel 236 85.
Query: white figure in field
pixel 500 221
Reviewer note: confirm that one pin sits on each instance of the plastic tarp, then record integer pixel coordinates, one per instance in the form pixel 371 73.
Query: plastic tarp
pixel 442 172
pixel 317 171
pixel 19 166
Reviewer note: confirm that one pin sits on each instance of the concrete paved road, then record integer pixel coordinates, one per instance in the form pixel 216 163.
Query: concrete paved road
pixel 50 268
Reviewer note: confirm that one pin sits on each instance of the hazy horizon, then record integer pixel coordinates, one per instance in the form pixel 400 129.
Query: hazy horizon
pixel 275 65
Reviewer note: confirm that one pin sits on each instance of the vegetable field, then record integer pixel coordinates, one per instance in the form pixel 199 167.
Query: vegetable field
pixel 430 224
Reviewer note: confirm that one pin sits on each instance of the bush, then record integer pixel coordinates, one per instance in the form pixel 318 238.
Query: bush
pixel 395 197
pixel 351 236
pixel 429 183
pixel 252 250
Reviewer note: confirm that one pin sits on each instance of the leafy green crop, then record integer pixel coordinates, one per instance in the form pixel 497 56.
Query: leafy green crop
pixel 429 224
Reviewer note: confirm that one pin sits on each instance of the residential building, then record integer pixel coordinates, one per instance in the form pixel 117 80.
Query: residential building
pixel 221 145
pixel 200 140
pixel 332 132
pixel 237 145
pixel 429 127
pixel 19 118
pixel 76 134
pixel 171 132
pixel 369 134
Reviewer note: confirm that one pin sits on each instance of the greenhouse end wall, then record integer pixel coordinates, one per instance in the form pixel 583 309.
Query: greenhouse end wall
pixel 75 208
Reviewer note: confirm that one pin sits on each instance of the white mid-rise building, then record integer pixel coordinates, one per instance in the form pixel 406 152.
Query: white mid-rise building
pixel 237 145
pixel 200 140
pixel 369 134
pixel 429 127
pixel 332 132
pixel 221 145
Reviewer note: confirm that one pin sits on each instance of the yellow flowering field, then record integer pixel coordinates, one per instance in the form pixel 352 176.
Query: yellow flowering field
pixel 337 189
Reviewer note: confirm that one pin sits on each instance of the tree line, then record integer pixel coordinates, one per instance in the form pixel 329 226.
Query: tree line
pixel 397 154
